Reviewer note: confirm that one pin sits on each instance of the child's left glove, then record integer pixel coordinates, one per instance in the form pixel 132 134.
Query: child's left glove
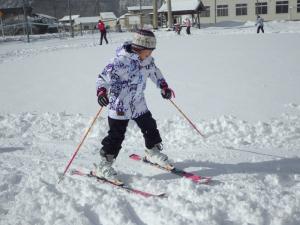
pixel 166 92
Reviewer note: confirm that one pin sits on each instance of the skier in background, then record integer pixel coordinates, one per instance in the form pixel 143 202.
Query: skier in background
pixel 177 28
pixel 102 29
pixel 121 86
pixel 260 24
pixel 188 24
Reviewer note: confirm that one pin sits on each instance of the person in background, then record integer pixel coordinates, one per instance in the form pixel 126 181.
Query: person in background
pixel 260 24
pixel 177 28
pixel 121 86
pixel 118 26
pixel 102 29
pixel 188 24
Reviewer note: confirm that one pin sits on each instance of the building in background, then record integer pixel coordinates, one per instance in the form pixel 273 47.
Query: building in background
pixel 14 21
pixel 65 22
pixel 247 10
pixel 180 10
pixel 12 17
pixel 122 20
pixel 43 23
pixel 143 16
pixel 137 17
pixel 86 23
pixel 109 19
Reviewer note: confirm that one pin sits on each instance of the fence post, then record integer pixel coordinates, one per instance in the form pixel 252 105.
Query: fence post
pixel 26 19
pixel 2 29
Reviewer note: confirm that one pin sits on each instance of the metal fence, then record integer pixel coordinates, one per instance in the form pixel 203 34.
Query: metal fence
pixel 22 31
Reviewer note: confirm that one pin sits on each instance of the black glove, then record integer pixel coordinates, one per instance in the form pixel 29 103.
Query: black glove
pixel 102 97
pixel 166 93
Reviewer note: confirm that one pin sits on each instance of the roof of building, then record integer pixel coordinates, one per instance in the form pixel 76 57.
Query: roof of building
pixel 92 19
pixel 44 16
pixel 181 5
pixel 137 8
pixel 67 18
pixel 124 15
pixel 107 16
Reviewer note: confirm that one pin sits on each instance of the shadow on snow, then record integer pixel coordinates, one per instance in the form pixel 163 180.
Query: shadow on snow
pixel 285 166
pixel 10 149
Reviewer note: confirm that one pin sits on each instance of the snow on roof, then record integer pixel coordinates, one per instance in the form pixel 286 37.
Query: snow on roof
pixel 44 16
pixel 67 18
pixel 137 8
pixel 180 5
pixel 91 19
pixel 107 15
pixel 124 16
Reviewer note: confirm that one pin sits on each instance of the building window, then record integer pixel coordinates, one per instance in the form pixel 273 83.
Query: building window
pixel 206 13
pixel 241 9
pixel 261 8
pixel 222 10
pixel 282 7
pixel 298 6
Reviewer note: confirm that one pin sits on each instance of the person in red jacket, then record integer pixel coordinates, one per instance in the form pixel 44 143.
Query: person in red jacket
pixel 102 29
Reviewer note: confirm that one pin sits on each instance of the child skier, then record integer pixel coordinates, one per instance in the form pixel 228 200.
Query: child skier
pixel 121 85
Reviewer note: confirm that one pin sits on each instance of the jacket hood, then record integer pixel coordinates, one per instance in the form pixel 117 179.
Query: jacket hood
pixel 125 50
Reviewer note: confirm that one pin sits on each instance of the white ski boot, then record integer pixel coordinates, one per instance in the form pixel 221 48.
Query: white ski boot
pixel 155 156
pixel 105 170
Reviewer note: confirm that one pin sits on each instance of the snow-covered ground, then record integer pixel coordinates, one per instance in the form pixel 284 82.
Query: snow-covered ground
pixel 241 89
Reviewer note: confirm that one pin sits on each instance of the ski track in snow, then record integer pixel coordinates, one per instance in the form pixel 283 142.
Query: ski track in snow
pixel 255 165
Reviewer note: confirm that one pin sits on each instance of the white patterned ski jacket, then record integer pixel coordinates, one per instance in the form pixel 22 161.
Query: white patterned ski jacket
pixel 125 78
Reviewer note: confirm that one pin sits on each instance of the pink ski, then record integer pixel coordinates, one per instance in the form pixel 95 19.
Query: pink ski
pixel 195 178
pixel 123 187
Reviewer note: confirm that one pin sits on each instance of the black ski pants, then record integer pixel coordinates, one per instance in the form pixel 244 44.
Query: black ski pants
pixel 112 143
pixel 103 35
pixel 260 28
pixel 188 30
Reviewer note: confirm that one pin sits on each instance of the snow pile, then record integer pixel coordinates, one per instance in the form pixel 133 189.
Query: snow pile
pixel 280 132
pixel 264 190
pixel 226 131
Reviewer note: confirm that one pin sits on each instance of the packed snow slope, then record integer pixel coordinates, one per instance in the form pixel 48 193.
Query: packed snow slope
pixel 240 89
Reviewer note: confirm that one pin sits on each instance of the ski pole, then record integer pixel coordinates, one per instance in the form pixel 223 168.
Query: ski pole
pixel 78 147
pixel 182 113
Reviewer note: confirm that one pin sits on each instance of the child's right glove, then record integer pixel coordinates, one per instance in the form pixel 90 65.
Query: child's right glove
pixel 102 97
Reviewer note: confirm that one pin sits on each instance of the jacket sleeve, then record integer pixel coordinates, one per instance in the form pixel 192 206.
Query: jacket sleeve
pixel 109 77
pixel 156 75
pixel 103 79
